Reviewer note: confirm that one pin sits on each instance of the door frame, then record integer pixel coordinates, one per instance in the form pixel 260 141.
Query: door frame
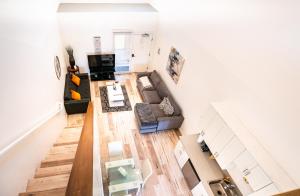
pixel 116 31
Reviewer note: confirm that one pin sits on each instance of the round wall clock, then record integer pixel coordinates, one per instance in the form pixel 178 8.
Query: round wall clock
pixel 57 67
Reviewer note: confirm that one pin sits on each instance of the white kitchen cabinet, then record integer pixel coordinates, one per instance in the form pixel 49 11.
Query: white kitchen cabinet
pixel 245 162
pixel 180 154
pixel 257 178
pixel 199 190
pixel 229 153
pixel 212 130
pixel 266 191
pixel 221 140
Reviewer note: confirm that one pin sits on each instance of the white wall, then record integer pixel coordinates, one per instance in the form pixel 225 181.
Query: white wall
pixel 18 165
pixel 246 52
pixel 30 90
pixel 78 30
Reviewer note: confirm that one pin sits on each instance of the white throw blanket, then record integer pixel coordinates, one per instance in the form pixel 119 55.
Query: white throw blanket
pixel 145 82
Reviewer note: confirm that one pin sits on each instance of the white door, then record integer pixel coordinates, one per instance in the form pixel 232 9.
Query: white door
pixel 122 49
pixel 141 51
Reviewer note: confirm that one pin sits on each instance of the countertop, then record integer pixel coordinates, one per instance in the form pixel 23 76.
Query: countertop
pixel 208 170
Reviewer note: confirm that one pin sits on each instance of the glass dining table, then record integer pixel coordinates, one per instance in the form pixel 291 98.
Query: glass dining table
pixel 117 181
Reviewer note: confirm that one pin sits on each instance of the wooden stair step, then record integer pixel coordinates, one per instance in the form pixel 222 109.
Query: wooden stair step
pixel 52 171
pixel 48 183
pixel 69 136
pixel 60 155
pixel 54 192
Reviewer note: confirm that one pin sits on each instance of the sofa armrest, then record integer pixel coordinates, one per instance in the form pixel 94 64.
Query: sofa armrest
pixel 169 122
pixel 76 106
pixel 141 74
pixel 83 75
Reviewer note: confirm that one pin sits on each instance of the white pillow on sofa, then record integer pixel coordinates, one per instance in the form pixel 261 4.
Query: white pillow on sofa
pixel 145 82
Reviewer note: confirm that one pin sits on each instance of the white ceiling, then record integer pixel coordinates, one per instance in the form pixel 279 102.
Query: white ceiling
pixel 105 1
pixel 105 7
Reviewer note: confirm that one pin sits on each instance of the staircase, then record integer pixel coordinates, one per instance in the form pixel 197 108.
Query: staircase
pixel 52 177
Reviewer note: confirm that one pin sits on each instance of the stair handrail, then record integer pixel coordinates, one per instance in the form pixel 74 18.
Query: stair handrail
pixel 81 177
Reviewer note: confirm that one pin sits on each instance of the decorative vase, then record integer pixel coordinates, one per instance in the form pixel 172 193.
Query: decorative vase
pixel 71 57
pixel 72 61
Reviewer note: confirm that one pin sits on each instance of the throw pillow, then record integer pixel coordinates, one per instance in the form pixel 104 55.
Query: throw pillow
pixel 75 79
pixel 75 95
pixel 145 82
pixel 166 106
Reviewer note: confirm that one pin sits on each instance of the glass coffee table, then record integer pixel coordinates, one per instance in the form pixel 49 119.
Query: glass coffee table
pixel 118 182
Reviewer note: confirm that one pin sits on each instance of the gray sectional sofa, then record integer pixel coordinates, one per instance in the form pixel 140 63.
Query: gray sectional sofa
pixel 149 116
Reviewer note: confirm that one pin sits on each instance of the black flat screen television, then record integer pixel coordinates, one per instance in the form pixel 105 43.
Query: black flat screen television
pixel 95 62
pixel 101 62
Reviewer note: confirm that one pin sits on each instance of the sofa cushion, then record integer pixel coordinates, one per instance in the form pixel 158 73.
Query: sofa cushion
pixel 157 111
pixel 155 78
pixel 68 86
pixel 75 95
pixel 145 115
pixel 84 88
pixel 177 110
pixel 145 82
pixel 141 88
pixel 75 79
pixel 151 97
pixel 162 90
pixel 166 106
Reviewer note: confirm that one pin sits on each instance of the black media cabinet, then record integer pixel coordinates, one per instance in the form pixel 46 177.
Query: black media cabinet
pixel 102 66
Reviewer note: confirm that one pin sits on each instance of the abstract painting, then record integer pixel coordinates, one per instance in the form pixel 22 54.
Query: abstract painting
pixel 175 64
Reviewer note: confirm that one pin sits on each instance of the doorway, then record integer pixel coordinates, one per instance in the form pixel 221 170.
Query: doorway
pixel 122 49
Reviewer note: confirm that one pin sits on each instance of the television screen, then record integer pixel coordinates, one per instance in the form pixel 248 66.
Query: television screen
pixel 94 60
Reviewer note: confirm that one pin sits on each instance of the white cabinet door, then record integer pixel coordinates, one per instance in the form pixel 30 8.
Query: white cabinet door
pixel 199 190
pixel 245 162
pixel 266 191
pixel 257 178
pixel 230 152
pixel 212 130
pixel 221 140
pixel 180 154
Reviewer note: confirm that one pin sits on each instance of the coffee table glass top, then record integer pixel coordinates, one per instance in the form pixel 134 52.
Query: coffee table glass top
pixel 116 178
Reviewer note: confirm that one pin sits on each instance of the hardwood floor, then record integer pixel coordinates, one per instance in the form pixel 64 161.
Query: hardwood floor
pixel 167 178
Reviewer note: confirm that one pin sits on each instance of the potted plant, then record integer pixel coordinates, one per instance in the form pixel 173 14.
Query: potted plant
pixel 71 57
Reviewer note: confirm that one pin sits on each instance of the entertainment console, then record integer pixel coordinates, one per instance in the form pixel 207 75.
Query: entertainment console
pixel 102 66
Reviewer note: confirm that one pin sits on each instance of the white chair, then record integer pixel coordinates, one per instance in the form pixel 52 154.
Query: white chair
pixel 146 170
pixel 115 150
